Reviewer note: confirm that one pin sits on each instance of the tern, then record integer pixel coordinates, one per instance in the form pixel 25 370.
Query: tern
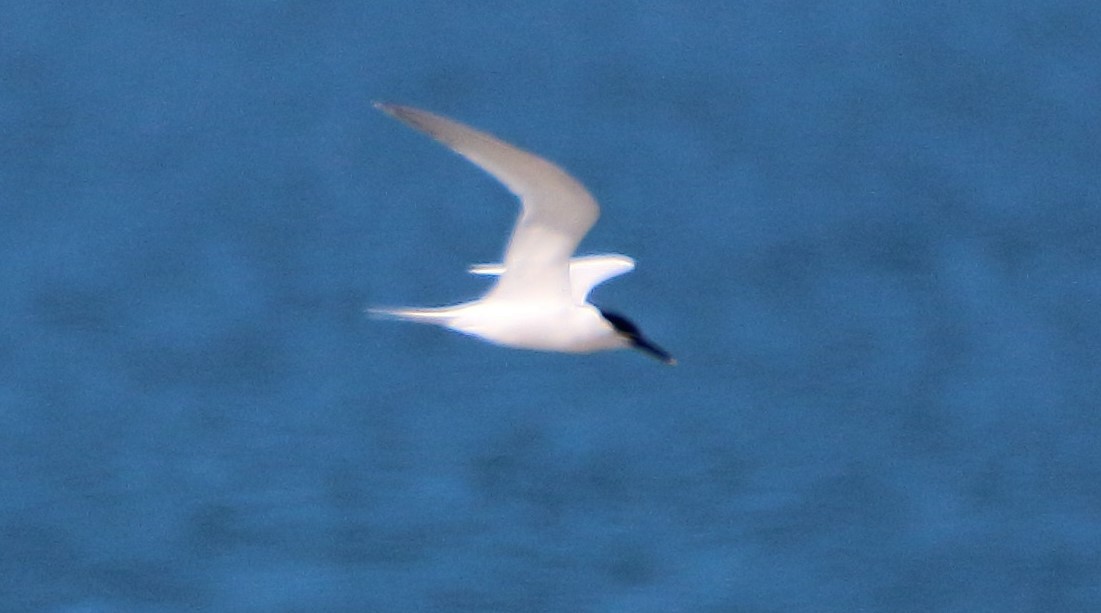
pixel 540 298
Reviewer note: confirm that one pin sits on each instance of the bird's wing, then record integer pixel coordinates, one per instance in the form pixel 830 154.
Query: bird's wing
pixel 586 272
pixel 556 212
pixel 589 271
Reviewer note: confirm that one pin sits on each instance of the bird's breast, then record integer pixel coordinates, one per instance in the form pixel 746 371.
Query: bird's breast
pixel 567 328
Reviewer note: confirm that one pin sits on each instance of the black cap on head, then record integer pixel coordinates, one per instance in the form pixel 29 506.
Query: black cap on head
pixel 630 331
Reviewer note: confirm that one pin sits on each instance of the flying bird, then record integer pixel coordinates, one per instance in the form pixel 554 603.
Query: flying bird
pixel 540 298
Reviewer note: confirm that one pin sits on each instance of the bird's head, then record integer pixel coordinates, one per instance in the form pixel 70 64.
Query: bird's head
pixel 629 332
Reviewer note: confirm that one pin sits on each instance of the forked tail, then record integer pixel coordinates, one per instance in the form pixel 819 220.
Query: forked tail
pixel 440 316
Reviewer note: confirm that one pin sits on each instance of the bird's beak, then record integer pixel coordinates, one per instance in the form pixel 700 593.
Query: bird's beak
pixel 654 350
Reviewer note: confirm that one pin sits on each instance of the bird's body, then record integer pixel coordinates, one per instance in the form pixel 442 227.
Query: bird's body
pixel 540 298
pixel 568 328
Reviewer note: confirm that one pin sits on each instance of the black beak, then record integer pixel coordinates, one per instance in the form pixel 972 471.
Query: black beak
pixel 659 353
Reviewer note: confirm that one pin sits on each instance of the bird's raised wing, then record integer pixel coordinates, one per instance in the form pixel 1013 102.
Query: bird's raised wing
pixel 556 212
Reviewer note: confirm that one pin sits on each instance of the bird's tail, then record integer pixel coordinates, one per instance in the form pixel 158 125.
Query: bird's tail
pixel 440 316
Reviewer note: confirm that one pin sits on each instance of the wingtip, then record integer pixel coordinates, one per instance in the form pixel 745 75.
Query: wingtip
pixel 396 111
pixel 405 114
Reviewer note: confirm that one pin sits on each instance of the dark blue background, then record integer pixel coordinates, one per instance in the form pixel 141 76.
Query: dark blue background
pixel 869 232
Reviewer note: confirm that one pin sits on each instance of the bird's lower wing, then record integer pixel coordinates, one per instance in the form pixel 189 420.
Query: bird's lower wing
pixel 586 272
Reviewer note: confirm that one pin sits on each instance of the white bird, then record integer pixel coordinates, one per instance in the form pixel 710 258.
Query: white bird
pixel 540 299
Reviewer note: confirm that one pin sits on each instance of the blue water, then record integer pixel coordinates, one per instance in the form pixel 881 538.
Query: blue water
pixel 870 233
